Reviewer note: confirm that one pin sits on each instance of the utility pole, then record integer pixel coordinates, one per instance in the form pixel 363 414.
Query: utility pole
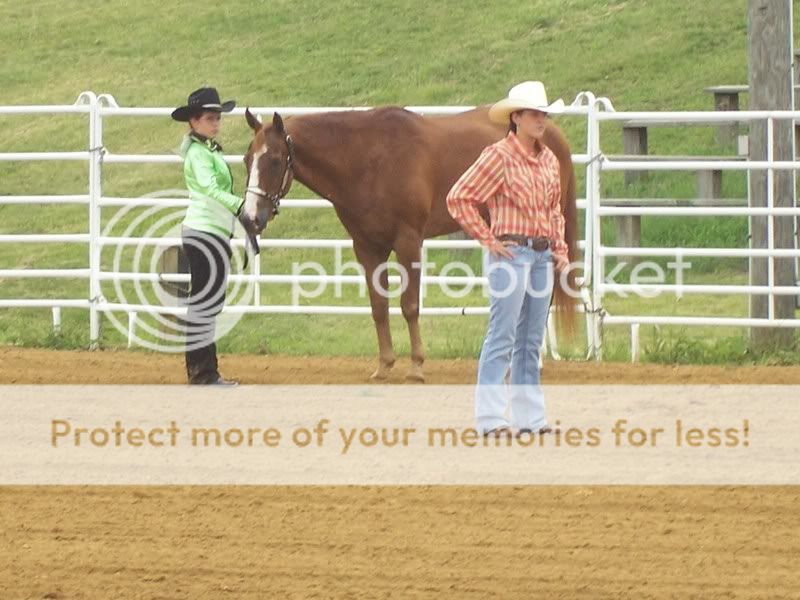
pixel 771 88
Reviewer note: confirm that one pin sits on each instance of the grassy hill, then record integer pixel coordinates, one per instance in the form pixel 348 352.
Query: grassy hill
pixel 646 54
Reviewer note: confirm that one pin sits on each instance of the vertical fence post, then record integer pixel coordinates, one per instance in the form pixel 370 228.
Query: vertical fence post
pixel 588 227
pixel 256 272
pixel 56 320
pixel 95 158
pixel 423 286
pixel 587 232
pixel 770 218
pixel 592 204
pixel 131 328
pixel 95 192
pixel 634 343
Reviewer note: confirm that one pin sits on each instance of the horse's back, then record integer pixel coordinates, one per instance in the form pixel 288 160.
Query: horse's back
pixel 455 141
pixel 410 162
pixel 428 155
pixel 411 142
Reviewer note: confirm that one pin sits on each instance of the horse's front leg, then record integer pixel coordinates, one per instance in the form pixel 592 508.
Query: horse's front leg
pixel 371 258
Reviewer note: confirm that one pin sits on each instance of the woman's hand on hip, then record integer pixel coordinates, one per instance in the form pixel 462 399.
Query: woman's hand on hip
pixel 500 249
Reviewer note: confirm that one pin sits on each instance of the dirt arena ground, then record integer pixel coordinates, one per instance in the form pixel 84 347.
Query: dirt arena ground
pixel 390 542
pixel 32 365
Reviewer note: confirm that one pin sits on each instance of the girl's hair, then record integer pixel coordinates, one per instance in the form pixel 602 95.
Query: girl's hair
pixel 196 113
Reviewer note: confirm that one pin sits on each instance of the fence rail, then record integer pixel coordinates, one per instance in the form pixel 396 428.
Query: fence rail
pixel 594 110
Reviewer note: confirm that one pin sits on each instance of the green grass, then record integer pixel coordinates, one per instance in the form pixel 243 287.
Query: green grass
pixel 644 55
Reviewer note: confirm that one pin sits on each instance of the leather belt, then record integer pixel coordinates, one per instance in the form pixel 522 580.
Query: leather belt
pixel 540 244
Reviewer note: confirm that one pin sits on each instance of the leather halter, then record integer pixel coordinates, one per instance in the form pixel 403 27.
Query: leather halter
pixel 288 175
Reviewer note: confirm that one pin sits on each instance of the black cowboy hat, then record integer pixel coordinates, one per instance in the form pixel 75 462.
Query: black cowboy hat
pixel 206 98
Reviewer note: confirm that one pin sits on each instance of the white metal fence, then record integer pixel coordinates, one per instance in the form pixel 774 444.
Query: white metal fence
pixel 597 210
pixel 586 105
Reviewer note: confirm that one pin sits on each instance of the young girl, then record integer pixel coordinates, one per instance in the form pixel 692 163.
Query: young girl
pixel 207 229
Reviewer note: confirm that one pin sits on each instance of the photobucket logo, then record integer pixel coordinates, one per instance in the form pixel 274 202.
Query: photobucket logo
pixel 456 279
pixel 499 278
pixel 177 318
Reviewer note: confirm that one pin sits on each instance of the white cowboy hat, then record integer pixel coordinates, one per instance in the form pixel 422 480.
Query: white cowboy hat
pixel 528 94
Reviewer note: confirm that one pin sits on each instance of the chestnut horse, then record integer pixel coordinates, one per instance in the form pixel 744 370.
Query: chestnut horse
pixel 387 172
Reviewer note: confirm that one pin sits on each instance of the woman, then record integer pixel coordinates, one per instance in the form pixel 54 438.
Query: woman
pixel 207 229
pixel 518 180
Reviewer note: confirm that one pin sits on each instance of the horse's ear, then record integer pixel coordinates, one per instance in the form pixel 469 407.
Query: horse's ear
pixel 277 124
pixel 254 123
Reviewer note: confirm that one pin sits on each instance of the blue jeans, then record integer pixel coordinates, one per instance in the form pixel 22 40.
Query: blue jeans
pixel 520 291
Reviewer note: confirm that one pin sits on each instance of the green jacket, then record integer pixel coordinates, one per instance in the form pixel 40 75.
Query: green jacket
pixel 212 205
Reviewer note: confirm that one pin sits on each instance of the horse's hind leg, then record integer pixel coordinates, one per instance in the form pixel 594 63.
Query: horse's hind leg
pixel 408 250
pixel 371 258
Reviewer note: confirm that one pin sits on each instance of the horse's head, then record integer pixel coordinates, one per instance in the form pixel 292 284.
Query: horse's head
pixel 269 172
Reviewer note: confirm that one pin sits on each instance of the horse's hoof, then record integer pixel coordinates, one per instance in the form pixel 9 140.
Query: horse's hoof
pixel 415 376
pixel 380 374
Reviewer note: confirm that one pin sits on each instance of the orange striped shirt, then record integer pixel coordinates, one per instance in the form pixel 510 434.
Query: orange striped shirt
pixel 522 193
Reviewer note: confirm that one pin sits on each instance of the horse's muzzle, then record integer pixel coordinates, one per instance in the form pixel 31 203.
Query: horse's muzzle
pixel 263 216
pixel 250 226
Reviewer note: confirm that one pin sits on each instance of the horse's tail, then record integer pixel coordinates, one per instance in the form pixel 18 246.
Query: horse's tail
pixel 566 289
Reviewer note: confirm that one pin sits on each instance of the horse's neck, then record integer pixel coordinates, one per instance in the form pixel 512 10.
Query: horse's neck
pixel 320 153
